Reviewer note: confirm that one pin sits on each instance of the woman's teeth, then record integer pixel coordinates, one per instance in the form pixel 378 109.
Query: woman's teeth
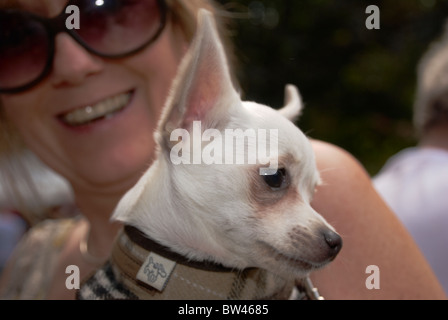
pixel 104 109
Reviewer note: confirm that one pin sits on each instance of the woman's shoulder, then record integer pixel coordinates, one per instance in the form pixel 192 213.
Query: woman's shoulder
pixel 327 153
pixel 372 234
pixel 346 186
pixel 338 165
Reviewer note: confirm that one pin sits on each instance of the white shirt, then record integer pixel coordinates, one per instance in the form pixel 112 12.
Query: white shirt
pixel 415 185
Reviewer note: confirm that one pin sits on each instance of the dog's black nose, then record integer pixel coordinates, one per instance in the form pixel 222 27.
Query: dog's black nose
pixel 333 240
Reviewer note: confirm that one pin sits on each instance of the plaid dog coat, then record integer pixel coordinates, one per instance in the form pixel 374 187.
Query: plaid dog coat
pixel 140 268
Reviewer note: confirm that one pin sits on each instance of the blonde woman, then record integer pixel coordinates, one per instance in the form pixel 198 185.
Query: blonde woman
pixel 86 103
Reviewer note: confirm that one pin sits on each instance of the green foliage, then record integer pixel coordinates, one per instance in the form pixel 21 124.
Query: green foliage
pixel 358 84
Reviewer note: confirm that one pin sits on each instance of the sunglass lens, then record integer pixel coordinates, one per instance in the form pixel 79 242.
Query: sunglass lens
pixel 116 27
pixel 24 50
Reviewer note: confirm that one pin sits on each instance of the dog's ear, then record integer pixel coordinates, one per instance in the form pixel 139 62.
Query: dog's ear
pixel 293 103
pixel 203 89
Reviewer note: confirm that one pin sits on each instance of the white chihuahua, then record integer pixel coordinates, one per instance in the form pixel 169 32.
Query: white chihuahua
pixel 239 216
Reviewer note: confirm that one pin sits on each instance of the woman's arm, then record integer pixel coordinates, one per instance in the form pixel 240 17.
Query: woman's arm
pixel 371 233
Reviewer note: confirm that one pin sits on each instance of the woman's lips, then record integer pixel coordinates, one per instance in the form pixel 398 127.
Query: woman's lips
pixel 104 109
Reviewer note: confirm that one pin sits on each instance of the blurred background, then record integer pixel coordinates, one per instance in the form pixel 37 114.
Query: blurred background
pixel 358 85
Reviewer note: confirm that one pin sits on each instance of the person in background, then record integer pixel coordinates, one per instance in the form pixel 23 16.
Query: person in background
pixel 414 182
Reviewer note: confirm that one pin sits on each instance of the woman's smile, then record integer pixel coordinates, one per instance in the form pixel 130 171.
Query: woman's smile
pixel 102 110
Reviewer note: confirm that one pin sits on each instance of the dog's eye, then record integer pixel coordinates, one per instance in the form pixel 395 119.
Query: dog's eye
pixel 277 180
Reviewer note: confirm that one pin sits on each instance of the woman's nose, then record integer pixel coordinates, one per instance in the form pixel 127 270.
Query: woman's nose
pixel 72 64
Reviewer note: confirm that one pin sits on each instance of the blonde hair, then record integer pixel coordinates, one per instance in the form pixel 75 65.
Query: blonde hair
pixel 431 103
pixel 184 17
pixel 27 184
